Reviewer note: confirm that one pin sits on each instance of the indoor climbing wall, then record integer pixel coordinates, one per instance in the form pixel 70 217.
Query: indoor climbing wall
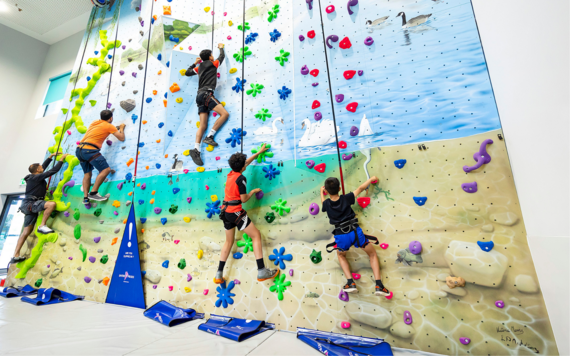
pixel 393 89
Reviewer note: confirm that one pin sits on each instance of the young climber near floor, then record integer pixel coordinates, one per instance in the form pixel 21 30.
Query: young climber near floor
pixel 347 233
pixel 233 216
pixel 34 203
pixel 89 154
pixel 207 73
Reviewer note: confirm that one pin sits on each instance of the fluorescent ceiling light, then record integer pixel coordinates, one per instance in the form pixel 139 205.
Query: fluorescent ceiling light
pixel 4 7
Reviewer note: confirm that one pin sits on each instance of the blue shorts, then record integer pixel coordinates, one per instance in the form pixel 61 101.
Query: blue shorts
pixel 345 241
pixel 84 155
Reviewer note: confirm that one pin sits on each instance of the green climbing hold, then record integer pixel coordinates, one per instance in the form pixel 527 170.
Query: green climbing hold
pixel 104 259
pixel 280 207
pixel 247 244
pixel 97 212
pixel 77 232
pixel 255 89
pixel 273 13
pixel 182 263
pixel 316 257
pixel 282 57
pixel 64 110
pixel 263 114
pixel 53 214
pixel 242 53
pixel 269 217
pixel 93 102
pixel 83 251
pixel 280 286
pixel 38 283
pixel 173 209
pixel 246 27
pixel 76 215
pixel 263 155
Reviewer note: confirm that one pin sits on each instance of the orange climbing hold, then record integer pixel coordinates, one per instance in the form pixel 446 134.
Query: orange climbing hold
pixel 155 17
pixel 363 202
pixel 125 221
pixel 174 88
pixel 165 102
pixel 142 231
pixel 153 192
pixel 158 141
pixel 146 168
pixel 166 10
pixel 144 122
pixel 129 162
pixel 159 72
pixel 166 155
pixel 154 92
pixel 130 193
pixel 114 241
pixel 138 185
pixel 152 201
pixel 321 167
pixel 316 104
pixel 106 281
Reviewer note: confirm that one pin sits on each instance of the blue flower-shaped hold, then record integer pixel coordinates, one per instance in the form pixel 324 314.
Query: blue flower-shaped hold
pixel 143 220
pixel 88 78
pixel 239 85
pixel 163 221
pixel 400 163
pixel 213 208
pixel 141 202
pixel 160 124
pixel 235 137
pixel 225 295
pixel 279 258
pixel 175 190
pixel 128 176
pixel 284 92
pixel 420 200
pixel 274 35
pixel 251 37
pixel 271 172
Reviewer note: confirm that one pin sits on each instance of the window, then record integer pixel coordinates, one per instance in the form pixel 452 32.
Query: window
pixel 53 99
pixel 11 224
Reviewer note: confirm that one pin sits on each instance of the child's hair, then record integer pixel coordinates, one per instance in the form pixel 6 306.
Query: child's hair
pixel 237 161
pixel 106 115
pixel 332 185
pixel 33 168
pixel 205 54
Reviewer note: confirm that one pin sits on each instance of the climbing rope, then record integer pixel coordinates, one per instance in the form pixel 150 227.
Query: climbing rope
pixel 242 71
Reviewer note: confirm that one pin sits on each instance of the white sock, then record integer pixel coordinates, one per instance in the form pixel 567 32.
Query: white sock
pixel 212 133
pixel 197 146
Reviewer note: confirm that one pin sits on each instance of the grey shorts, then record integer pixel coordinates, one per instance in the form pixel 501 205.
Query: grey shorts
pixel 32 209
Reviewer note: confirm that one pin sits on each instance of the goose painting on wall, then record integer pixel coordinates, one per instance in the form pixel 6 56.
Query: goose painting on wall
pixel 269 131
pixel 415 21
pixel 321 133
pixel 376 24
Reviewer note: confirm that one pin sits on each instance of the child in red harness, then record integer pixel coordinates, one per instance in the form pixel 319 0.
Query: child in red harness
pixel 347 233
pixel 234 216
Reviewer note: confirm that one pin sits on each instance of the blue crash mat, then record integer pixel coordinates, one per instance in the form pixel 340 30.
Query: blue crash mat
pixel 234 328
pixel 343 345
pixel 51 296
pixel 18 291
pixel 169 315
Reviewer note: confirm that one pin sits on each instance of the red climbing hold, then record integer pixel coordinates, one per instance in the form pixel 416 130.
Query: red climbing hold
pixel 314 72
pixel 342 144
pixel 321 167
pixel 311 34
pixel 363 202
pixel 345 43
pixel 348 74
pixel 352 106
pixel 316 104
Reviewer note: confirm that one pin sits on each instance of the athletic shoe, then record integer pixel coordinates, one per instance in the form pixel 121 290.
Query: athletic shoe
pixel 210 141
pixel 17 259
pixel 97 197
pixel 85 201
pixel 45 230
pixel 195 155
pixel 265 274
pixel 382 291
pixel 350 288
pixel 219 278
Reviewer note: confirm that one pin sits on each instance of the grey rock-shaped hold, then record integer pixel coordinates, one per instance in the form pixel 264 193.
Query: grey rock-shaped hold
pixel 140 19
pixel 487 228
pixel 526 284
pixel 53 258
pixel 123 147
pixel 401 329
pixel 142 33
pixel 100 250
pixel 507 218
pixel 128 203
pixel 128 105
pixel 117 230
pixel 101 221
pixel 208 244
pixel 99 281
pixel 135 91
pixel 143 245
pixel 123 83
pixel 113 110
pixel 64 248
pixel 45 271
pixel 55 273
pixel 129 59
pixel 130 39
pixel 141 66
pixel 369 314
pixel 153 276
pixel 79 268
pixel 62 241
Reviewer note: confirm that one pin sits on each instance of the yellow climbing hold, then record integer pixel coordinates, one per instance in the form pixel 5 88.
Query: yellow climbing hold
pixel 187 290
pixel 223 103
pixel 214 197
pixel 198 124
pixel 152 201
pixel 182 71
pixel 200 254
pixel 187 219
pixel 181 48
pixel 233 70
pixel 230 23
pixel 186 153
pixel 210 148
pixel 206 9
pixel 179 100
pixel 116 203
pixel 200 169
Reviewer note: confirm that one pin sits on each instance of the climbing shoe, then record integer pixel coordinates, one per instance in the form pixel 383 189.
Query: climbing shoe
pixel 195 155
pixel 382 291
pixel 45 230
pixel 350 288
pixel 97 197
pixel 210 141
pixel 265 274
pixel 219 278
pixel 17 259
pixel 85 201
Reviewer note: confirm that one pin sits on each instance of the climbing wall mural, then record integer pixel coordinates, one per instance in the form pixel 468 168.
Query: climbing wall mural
pixel 394 89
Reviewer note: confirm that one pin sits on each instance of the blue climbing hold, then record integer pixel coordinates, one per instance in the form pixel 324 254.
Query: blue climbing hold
pixel 109 56
pixel 400 163
pixel 486 246
pixel 175 190
pixel 141 144
pixel 274 36
pixel 152 20
pixel 238 255
pixel 143 220
pixel 166 95
pixel 174 39
pixel 159 57
pixel 225 295
pixel 235 137
pixel 284 92
pixel 165 263
pixel 160 124
pixel 96 52
pixel 158 166
pixel 128 176
pixel 271 172
pixel 134 118
pixel 141 202
pixel 88 78
pixel 163 221
pixel 143 273
pixel 168 64
pixel 420 200
pixel 239 85
pixel 279 258
pixel 251 37
pixel 148 100
pixel 170 133
pixel 213 208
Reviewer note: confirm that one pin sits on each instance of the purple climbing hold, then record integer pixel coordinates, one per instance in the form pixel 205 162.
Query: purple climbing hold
pixel 70 184
pixel 154 287
pixel 408 317
pixel 135 74
pixel 87 279
pixel 97 239
pixel 237 281
pixel 464 340
pixel 310 2
pixel 116 213
pixel 157 210
pixel 351 3
pixel 304 70
pixel 481 157
pixel 469 187
pixel 109 142
pixel 318 115
pixel 314 209
pixel 124 47
pixel 310 164
pixel 189 200
pixel 143 186
pixel 109 105
pixel 346 157
pixel 415 247
pixel 354 131
pixel 500 304
pixel 333 38
pixel 291 272
pixel 188 278
pixel 259 195
pixel 66 213
pixel 368 41
pixel 121 72
pixel 360 72
pixel 92 259
pixel 315 84
pixel 339 98
pixel 120 186
pixel 343 296
pixel 88 206
pixel 70 258
pixel 301 38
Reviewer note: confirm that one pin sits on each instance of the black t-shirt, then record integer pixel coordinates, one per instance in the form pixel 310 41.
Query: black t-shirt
pixel 207 73
pixel 36 184
pixel 340 210
pixel 242 184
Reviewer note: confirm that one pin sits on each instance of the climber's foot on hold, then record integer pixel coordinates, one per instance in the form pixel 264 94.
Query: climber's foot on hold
pixel 219 278
pixel 382 291
pixel 97 197
pixel 210 141
pixel 195 155
pixel 350 288
pixel 265 274
pixel 17 259
pixel 85 201
pixel 45 230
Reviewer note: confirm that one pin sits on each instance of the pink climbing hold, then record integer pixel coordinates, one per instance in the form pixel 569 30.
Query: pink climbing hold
pixel 329 9
pixel 314 209
pixel 154 287
pixel 189 48
pixel 189 200
pixel 70 258
pixel 363 201
pixel 225 13
pixel 68 132
pixel 207 188
pixel 316 104
pixel 70 184
pixel 185 171
pixel 120 186
pixel 116 213
pixel 368 41
pixel 500 304
pixel 176 242
pixel 188 278
pixel 465 340
pixel 215 114
pixel 352 106
pixel 206 291
pixel 314 72
pixel 345 325
pixel 229 37
pixel 237 281
pixel 384 245
pixel 311 34
pixel 143 186
pixel 217 158
pixel 345 43
pixel 304 70
pixel 348 74
pixel 321 167
pixel 170 288
pixel 391 295
pixel 291 272
pixel 356 276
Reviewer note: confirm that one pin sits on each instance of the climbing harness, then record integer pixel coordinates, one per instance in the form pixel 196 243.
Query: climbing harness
pixel 82 147
pixel 225 205
pixel 347 227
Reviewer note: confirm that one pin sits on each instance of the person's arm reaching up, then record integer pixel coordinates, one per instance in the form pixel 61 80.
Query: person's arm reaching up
pixel 323 194
pixel 365 185
pixel 190 71
pixel 120 134
pixel 253 157
pixel 54 169
pixel 222 55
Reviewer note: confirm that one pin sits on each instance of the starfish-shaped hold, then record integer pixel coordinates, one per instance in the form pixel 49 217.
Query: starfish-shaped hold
pixel 239 85
pixel 225 295
pixel 279 286
pixel 280 207
pixel 255 89
pixel 213 208
pixel 235 137
pixel 240 27
pixel 279 258
pixel 242 53
pixel 251 37
pixel 263 114
pixel 284 92
pixel 273 13
pixel 271 172
pixel 282 57
pixel 274 36
pixel 247 244
pixel 262 155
